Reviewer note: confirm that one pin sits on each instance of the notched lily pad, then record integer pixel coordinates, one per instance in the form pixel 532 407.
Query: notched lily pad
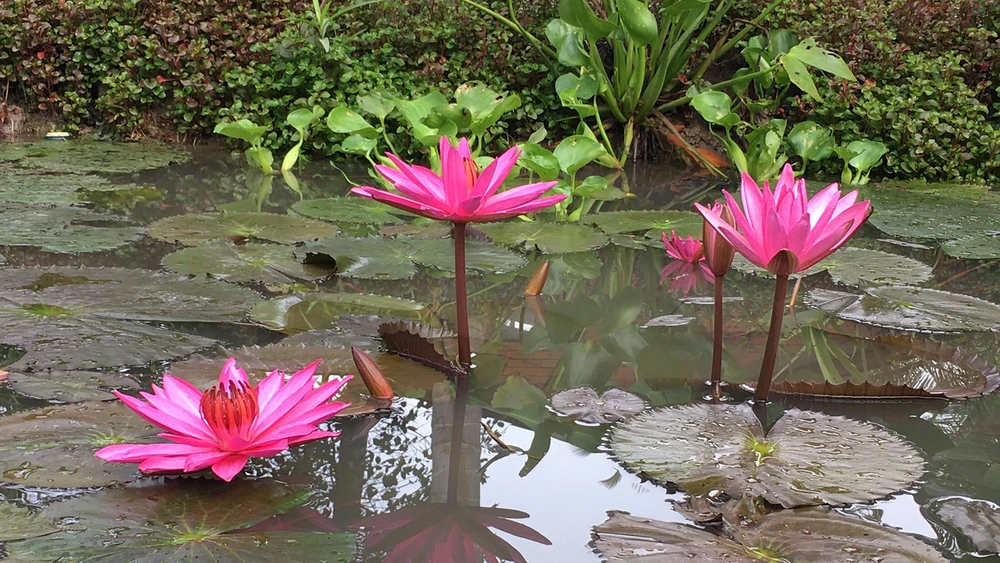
pixel 251 262
pixel 189 520
pixel 806 459
pixel 30 187
pixel 92 156
pixel 199 228
pixel 586 407
pixel 55 446
pixel 311 311
pixel 70 386
pixel 910 308
pixel 615 222
pixel 347 210
pixel 854 266
pixel 64 229
pixel 550 238
pixel 977 521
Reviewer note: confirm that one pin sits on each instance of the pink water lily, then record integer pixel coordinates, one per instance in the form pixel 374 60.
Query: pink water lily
pixel 461 193
pixel 685 277
pixel 785 231
pixel 685 249
pixel 233 421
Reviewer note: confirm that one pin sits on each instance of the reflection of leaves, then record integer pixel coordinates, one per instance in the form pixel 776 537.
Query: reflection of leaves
pixel 21 523
pixel 910 308
pixel 684 222
pixel 806 459
pixel 521 399
pixel 312 311
pixel 189 520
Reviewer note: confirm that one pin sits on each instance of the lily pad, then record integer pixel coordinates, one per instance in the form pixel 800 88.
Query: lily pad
pixel 346 210
pixel 852 266
pixel 422 231
pixel 312 311
pixel 92 156
pixel 806 459
pixel 70 386
pixel 21 523
pixel 251 262
pixel 550 238
pixel 812 535
pixel 976 520
pixel 685 223
pixel 909 308
pixel 668 321
pixel 586 407
pixel 54 446
pixel 198 228
pixel 983 246
pixel 63 229
pixel 30 187
pixel 183 521
pixel 380 258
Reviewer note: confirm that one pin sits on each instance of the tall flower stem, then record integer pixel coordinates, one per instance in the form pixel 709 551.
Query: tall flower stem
pixel 717 339
pixel 457 439
pixel 461 297
pixel 773 337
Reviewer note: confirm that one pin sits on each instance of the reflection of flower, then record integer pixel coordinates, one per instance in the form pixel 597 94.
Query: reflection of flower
pixel 461 193
pixel 447 533
pixel 686 277
pixel 684 249
pixel 230 422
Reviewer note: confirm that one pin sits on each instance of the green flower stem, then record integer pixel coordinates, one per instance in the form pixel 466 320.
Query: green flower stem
pixel 763 388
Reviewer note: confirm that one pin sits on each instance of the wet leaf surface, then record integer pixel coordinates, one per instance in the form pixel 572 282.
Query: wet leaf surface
pixel 70 386
pixel 199 228
pixel 63 229
pixel 347 210
pixel 92 156
pixel 587 407
pixel 686 223
pixel 30 187
pixel 312 311
pixel 854 266
pixel 550 238
pixel 251 262
pixel 910 309
pixel 978 521
pixel 806 459
pixel 183 520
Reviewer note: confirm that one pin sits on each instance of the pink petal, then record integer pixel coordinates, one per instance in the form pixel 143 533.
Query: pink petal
pixel 406 186
pixel 738 240
pixel 177 422
pixel 522 209
pixel 230 374
pixel 182 394
pixel 159 464
pixel 197 462
pixel 456 187
pixel 496 172
pixel 134 453
pixel 423 177
pixel 401 202
pixel 229 467
pixel 516 196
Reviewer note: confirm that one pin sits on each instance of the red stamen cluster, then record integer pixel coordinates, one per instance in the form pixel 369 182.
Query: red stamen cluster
pixel 231 407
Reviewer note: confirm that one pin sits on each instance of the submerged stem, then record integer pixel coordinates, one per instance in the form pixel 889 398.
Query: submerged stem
pixel 461 298
pixel 773 337
pixel 717 339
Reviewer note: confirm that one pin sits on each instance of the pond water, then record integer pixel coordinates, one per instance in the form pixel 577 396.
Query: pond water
pixel 79 326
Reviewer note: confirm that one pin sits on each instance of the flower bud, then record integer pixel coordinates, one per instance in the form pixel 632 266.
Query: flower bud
pixel 376 383
pixel 718 252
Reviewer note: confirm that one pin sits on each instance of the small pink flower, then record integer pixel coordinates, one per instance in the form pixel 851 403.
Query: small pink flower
pixel 686 277
pixel 231 422
pixel 685 249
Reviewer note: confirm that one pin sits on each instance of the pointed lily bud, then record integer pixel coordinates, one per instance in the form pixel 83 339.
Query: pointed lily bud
pixel 537 281
pixel 376 383
pixel 718 252
pixel 784 263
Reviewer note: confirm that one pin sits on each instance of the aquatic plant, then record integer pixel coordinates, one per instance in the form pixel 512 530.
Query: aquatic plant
pixel 222 427
pixel 786 232
pixel 719 256
pixel 684 249
pixel 260 156
pixel 461 194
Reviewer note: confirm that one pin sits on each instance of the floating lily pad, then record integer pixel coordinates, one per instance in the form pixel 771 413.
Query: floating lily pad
pixel 851 266
pixel 668 321
pixel 806 459
pixel 380 258
pixel 550 238
pixel 586 407
pixel 21 523
pixel 421 231
pixel 265 263
pixel 63 229
pixel 30 187
pixel 92 156
pixel 929 212
pixel 685 223
pixel 976 520
pixel 909 308
pixel 70 386
pixel 195 229
pixel 347 210
pixel 312 311
pixel 55 446
pixel 983 246
pixel 186 520
pixel 812 535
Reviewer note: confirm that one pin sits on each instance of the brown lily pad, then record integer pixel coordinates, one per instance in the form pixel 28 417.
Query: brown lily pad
pixel 584 405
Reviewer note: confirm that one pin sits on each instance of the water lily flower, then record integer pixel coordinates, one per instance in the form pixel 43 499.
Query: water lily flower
pixel 785 232
pixel 685 249
pixel 233 421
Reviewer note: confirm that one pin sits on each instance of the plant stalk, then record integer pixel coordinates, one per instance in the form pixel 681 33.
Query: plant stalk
pixel 717 338
pixel 461 298
pixel 773 338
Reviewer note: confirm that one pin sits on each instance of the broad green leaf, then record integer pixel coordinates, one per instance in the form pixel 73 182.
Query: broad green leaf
pixel 250 262
pixel 81 156
pixel 638 20
pixel 712 105
pixel 348 210
pixel 198 228
pixel 358 144
pixel 910 309
pixel 343 120
pixel 291 157
pixel 244 129
pixel 416 111
pixel 301 119
pixel 312 311
pixel 867 154
pixel 577 87
pixel 780 41
pixel 551 238
pixel 567 40
pixel 379 104
pixel 577 151
pixel 578 13
pixel 799 75
pixel 539 160
pixel 811 54
pixel 811 141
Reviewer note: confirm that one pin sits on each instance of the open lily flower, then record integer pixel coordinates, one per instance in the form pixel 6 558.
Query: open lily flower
pixel 685 249
pixel 233 421
pixel 461 193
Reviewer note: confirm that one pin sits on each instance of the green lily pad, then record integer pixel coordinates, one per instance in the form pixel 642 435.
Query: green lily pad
pixel 909 308
pixel 63 229
pixel 806 459
pixel 933 211
pixel 70 386
pixel 685 223
pixel 347 210
pixel 976 522
pixel 585 406
pixel 811 535
pixel 195 229
pixel 379 258
pixel 851 266
pixel 30 187
pixel 21 523
pixel 313 311
pixel 188 520
pixel 54 446
pixel 550 238
pixel 418 231
pixel 984 246
pixel 251 262
pixel 92 156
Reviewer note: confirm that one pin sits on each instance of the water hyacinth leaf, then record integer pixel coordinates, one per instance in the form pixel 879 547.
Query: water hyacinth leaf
pixel 539 160
pixel 63 229
pixel 976 522
pixel 577 151
pixel 252 262
pixel 587 407
pixel 806 459
pixel 550 238
pixel 811 141
pixel 342 120
pixel 854 266
pixel 909 308
pixel 347 210
pixel 378 103
pixel 811 535
pixel 54 446
pixel 92 156
pixel 243 129
pixel 685 223
pixel 188 520
pixel 70 386
pixel 568 41
pixel 313 311
pixel 199 228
